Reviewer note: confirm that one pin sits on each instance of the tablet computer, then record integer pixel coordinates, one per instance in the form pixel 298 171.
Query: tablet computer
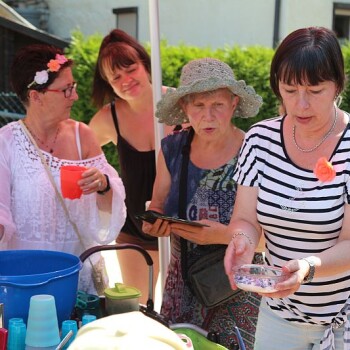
pixel 151 216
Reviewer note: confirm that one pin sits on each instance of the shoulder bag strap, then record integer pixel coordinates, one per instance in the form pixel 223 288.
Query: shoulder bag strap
pixel 183 199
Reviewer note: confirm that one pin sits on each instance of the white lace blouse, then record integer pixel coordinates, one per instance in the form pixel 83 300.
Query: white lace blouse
pixel 31 213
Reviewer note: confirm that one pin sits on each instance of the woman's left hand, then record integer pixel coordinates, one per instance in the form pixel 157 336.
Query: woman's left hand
pixel 199 234
pixel 297 270
pixel 93 180
pixel 160 228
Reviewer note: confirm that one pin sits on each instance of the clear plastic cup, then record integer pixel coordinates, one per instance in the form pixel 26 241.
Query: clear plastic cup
pixel 69 325
pixel 70 175
pixel 259 278
pixel 42 327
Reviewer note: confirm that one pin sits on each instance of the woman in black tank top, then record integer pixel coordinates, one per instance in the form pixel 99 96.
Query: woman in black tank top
pixel 122 80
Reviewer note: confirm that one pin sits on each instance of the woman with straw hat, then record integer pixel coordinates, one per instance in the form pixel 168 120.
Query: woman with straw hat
pixel 208 98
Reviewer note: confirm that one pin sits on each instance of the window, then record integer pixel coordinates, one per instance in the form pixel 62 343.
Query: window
pixel 341 21
pixel 127 20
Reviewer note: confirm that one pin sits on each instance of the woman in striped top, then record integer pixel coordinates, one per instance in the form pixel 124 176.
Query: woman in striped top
pixel 294 186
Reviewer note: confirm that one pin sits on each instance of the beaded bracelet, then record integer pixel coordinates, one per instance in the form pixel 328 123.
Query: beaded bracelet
pixel 241 234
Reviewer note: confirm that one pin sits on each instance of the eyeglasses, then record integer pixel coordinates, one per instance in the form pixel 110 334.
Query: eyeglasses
pixel 67 92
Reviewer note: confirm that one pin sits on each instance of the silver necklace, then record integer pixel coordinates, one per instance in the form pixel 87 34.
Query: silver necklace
pixel 323 138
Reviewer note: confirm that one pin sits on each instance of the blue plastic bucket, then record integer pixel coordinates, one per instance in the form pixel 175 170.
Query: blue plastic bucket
pixel 24 273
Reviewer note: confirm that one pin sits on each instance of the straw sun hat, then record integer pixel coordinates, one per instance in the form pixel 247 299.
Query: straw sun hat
pixel 206 74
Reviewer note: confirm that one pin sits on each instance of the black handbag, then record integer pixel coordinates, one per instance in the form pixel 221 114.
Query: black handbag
pixel 208 280
pixel 206 277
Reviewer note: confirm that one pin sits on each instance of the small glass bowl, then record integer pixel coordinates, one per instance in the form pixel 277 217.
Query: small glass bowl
pixel 259 278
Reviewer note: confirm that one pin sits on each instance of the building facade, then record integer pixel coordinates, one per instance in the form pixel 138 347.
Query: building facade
pixel 212 23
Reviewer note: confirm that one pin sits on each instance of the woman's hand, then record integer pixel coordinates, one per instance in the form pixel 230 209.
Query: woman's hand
pixel 240 251
pixel 213 234
pixel 160 228
pixel 297 269
pixel 93 180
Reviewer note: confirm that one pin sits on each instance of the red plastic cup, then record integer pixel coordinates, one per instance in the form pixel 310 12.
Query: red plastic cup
pixel 70 175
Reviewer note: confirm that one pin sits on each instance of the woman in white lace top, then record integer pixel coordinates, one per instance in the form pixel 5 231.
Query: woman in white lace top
pixel 31 214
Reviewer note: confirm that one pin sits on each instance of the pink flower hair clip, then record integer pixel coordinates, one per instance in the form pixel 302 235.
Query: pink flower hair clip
pixel 42 77
pixel 324 170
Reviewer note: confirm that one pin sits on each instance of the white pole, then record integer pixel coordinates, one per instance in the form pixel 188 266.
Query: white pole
pixel 164 243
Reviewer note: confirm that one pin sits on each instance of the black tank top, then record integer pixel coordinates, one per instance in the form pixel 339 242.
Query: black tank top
pixel 138 171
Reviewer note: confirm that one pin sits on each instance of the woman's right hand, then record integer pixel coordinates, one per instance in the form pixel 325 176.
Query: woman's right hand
pixel 160 228
pixel 240 251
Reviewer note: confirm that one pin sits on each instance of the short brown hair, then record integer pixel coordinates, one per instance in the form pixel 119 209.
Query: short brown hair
pixel 118 50
pixel 308 56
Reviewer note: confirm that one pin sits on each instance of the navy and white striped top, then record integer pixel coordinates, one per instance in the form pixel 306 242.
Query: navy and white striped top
pixel 300 216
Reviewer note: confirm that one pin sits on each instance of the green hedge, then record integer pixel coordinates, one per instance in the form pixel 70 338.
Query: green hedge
pixel 251 64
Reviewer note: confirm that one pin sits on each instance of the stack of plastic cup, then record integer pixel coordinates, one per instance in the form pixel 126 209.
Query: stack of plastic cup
pixel 69 325
pixel 16 334
pixel 42 327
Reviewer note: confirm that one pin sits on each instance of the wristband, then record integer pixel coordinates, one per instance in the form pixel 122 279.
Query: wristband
pixel 108 187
